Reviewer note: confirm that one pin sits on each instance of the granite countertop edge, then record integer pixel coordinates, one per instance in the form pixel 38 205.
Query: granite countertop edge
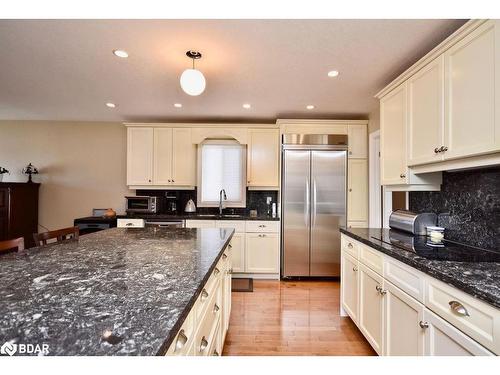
pixel 197 216
pixel 433 272
pixel 177 326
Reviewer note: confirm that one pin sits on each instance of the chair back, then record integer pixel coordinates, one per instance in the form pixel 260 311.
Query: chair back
pixel 12 245
pixel 60 235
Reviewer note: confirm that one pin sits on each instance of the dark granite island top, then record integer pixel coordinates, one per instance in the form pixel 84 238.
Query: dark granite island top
pixel 115 292
pixel 479 279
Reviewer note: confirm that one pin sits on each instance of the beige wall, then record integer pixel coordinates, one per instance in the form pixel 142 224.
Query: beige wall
pixel 374 120
pixel 82 165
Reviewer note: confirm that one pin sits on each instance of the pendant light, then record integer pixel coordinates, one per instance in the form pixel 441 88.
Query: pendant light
pixel 192 80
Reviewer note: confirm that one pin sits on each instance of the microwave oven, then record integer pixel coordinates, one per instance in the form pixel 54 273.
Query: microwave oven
pixel 144 204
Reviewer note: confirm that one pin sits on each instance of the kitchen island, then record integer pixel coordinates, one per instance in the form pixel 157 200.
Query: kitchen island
pixel 115 292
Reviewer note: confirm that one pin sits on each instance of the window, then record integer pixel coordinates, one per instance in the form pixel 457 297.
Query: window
pixel 221 165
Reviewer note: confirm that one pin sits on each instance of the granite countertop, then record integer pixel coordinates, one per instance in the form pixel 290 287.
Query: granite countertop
pixel 114 292
pixel 479 279
pixel 200 216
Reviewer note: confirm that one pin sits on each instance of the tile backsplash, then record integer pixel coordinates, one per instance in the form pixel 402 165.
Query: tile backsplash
pixel 468 204
pixel 256 200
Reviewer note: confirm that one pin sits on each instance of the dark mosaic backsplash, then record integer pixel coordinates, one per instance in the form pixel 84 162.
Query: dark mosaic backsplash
pixel 256 200
pixel 468 204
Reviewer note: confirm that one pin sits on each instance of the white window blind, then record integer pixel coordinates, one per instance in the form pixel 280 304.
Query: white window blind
pixel 222 167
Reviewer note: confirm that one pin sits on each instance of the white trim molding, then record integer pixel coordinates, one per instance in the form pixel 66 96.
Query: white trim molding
pixel 375 189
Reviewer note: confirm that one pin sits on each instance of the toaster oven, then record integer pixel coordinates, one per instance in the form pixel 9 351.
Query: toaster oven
pixel 144 204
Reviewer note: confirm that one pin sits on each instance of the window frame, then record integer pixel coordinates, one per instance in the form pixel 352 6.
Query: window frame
pixel 236 204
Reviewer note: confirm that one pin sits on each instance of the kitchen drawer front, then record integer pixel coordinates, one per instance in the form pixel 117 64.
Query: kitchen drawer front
pixel 406 278
pixel 263 226
pixel 200 223
pixel 471 316
pixel 207 331
pixel 208 292
pixel 238 225
pixel 184 339
pixel 371 258
pixel 350 246
pixel 130 223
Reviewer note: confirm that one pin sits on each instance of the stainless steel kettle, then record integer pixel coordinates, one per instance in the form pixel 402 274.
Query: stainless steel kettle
pixel 190 206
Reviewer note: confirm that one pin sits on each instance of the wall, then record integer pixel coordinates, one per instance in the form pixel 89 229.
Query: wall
pixel 471 203
pixel 374 120
pixel 82 165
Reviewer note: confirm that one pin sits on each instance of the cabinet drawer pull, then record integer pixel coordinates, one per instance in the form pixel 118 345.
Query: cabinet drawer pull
pixel 445 148
pixel 262 235
pixel 458 308
pixel 216 353
pixel 129 224
pixel 230 246
pixel 230 271
pixel 203 344
pixel 349 245
pixel 216 308
pixel 224 256
pixel 204 294
pixel 169 181
pixel 216 271
pixel 181 340
pixel 262 226
pixel 423 325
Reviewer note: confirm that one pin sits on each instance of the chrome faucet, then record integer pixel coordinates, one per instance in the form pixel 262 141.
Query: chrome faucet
pixel 222 195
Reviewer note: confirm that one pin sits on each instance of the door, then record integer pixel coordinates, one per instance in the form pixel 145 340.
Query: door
pixel 393 116
pixel 357 140
pixel 238 252
pixel 371 307
pixel 403 334
pixel 139 156
pixel 426 113
pixel 263 157
pixel 328 210
pixel 357 197
pixel 162 156
pixel 471 75
pixel 262 252
pixel 442 339
pixel 350 286
pixel 296 212
pixel 183 158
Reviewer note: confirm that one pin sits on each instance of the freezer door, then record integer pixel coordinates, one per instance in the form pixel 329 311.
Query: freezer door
pixel 328 210
pixel 296 212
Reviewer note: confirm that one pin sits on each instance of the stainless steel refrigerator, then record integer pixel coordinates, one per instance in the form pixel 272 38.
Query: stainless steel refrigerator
pixel 313 204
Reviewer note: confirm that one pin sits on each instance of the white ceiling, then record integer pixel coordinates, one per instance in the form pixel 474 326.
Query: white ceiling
pixel 65 69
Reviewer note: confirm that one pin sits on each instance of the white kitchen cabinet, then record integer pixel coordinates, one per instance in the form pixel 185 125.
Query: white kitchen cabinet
pixel 442 339
pixel 357 138
pixel 140 156
pixel 200 223
pixel 162 156
pixel 393 117
pixel 371 307
pixel 183 158
pixel 426 114
pixel 357 197
pixel 404 328
pixel 263 158
pixel 262 252
pixel 350 286
pixel 472 69
pixel 238 250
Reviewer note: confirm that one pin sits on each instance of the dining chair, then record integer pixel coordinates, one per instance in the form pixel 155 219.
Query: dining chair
pixel 59 234
pixel 12 245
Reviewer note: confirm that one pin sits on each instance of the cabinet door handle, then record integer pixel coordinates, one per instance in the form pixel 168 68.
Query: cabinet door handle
pixel 402 175
pixel 262 235
pixel 230 271
pixel 169 181
pixel 445 148
pixel 355 269
pixel 181 340
pixel 149 180
pixel 458 308
pixel 436 150
pixel 423 325
pixel 350 190
pixel 204 294
pixel 381 291
pixel 203 344
pixel 349 245
pixel 173 180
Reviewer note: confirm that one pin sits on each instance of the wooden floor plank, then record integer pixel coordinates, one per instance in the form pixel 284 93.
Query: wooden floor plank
pixel 292 318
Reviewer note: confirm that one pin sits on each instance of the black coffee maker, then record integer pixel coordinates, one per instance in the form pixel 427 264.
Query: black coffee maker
pixel 171 203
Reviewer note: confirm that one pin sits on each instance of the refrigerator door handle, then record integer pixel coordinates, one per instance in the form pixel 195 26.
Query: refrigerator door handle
pixel 308 204
pixel 314 203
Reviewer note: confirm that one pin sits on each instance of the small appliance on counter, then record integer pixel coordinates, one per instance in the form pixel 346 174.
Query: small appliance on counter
pixel 190 206
pixel 411 222
pixel 171 203
pixel 145 204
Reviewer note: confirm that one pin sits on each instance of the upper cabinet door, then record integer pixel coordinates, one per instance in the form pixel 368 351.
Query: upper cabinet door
pixel 183 158
pixel 162 156
pixel 358 141
pixel 357 198
pixel 471 74
pixel 139 156
pixel 426 114
pixel 393 116
pixel 263 158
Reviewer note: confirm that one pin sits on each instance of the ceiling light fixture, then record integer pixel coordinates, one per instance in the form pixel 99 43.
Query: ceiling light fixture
pixel 192 80
pixel 120 53
pixel 178 105
pixel 247 106
pixel 333 73
pixel 111 105
pixel 310 106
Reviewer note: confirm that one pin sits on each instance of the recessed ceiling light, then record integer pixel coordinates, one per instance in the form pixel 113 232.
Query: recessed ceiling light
pixel 111 105
pixel 333 73
pixel 310 106
pixel 178 105
pixel 120 53
pixel 247 106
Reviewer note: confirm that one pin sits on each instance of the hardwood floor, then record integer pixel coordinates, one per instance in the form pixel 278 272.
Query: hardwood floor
pixel 292 318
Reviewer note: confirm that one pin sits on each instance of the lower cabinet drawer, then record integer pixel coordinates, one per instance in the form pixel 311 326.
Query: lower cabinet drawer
pixel 371 258
pixel 130 223
pixel 259 226
pixel 406 278
pixel 471 316
pixel 203 301
pixel 207 331
pixel 183 341
pixel 349 246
